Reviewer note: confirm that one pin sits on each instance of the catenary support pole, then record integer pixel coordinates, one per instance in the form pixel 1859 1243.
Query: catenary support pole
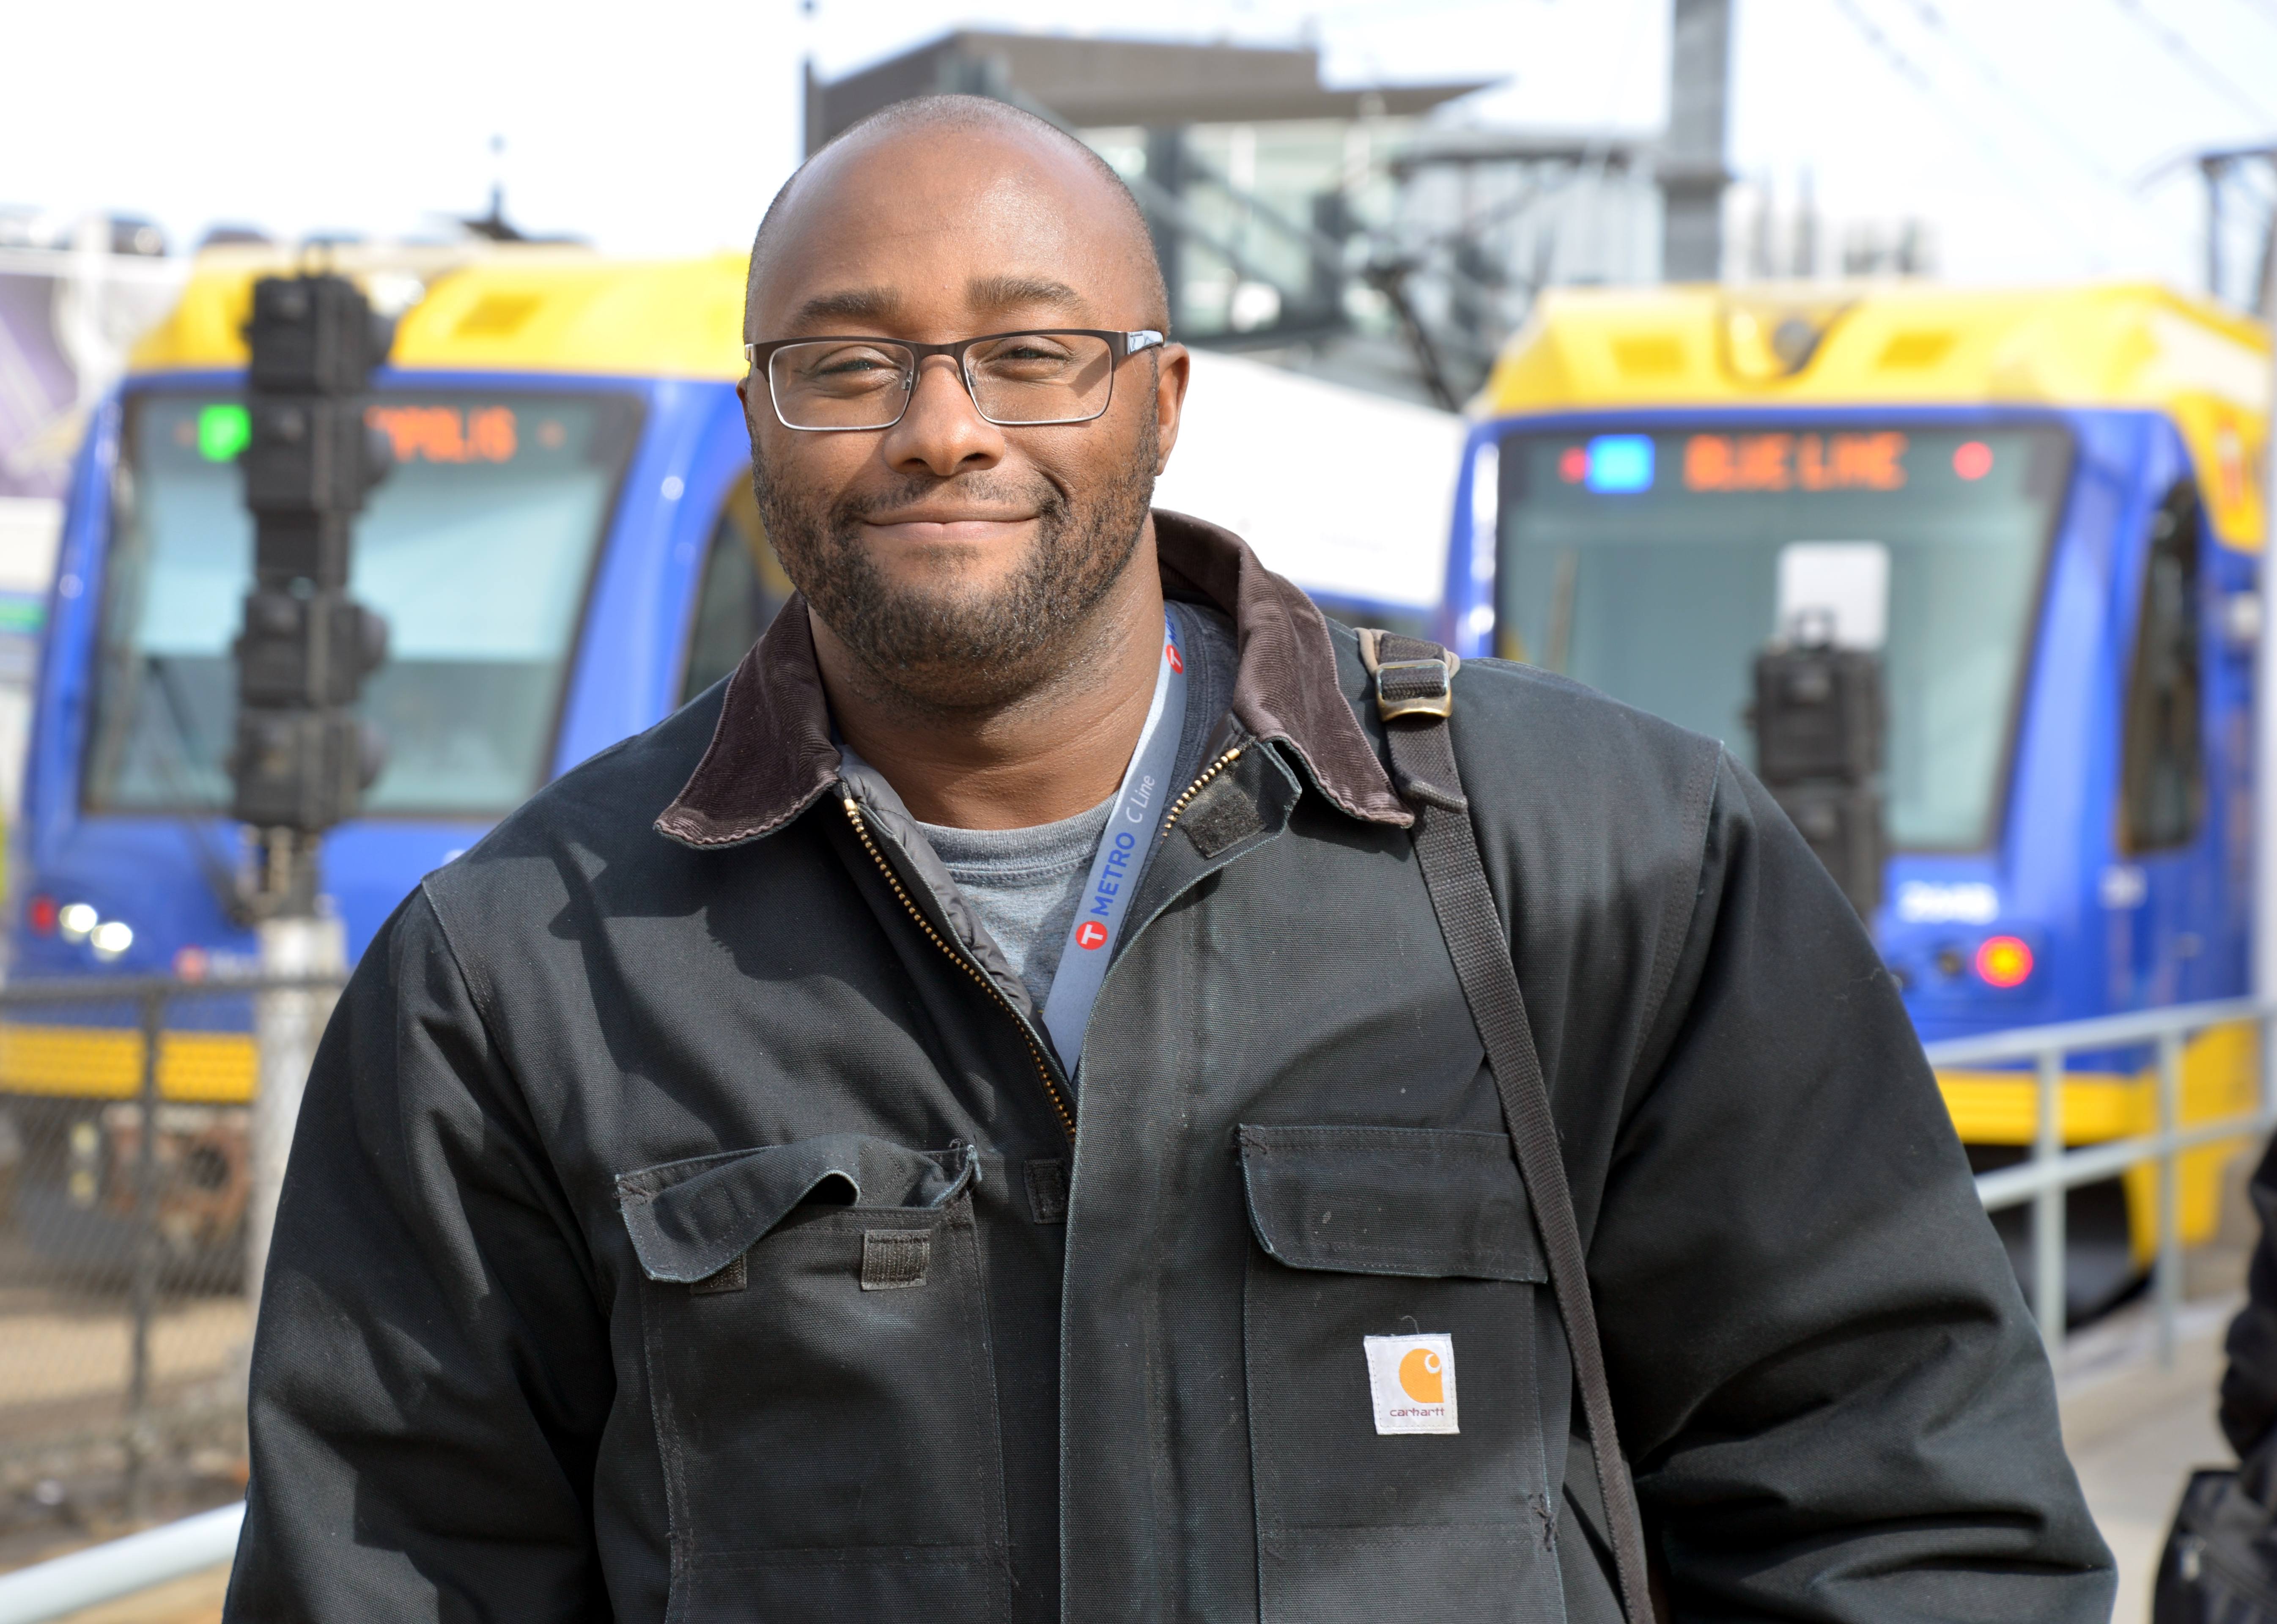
pixel 1691 171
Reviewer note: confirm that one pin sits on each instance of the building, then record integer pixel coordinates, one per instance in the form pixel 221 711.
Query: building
pixel 1340 228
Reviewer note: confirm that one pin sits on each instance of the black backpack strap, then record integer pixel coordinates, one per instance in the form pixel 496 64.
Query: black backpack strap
pixel 1414 695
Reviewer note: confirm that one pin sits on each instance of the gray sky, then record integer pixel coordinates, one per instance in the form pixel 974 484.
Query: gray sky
pixel 2020 128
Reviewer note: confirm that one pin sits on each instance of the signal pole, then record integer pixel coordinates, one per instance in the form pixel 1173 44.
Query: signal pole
pixel 302 758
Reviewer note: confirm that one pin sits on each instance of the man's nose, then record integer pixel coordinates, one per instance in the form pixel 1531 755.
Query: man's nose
pixel 942 432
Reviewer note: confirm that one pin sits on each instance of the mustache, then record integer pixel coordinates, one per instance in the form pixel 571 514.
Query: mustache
pixel 1046 495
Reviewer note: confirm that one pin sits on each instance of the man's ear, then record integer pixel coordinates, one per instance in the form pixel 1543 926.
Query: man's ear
pixel 1172 373
pixel 743 394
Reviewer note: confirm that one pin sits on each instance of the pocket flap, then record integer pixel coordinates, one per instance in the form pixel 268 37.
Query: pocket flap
pixel 1427 1201
pixel 689 1220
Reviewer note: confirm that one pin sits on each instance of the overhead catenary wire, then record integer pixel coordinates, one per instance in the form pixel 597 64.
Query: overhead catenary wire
pixel 1906 68
pixel 1989 70
pixel 2202 67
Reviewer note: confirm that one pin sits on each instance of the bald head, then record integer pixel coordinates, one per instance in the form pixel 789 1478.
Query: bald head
pixel 950 561
pixel 946 165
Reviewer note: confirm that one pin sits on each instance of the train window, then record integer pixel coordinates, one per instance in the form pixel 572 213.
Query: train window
pixel 1648 565
pixel 476 549
pixel 742 589
pixel 2162 764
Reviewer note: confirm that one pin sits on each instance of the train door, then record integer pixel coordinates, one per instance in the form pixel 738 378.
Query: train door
pixel 2160 895
pixel 738 593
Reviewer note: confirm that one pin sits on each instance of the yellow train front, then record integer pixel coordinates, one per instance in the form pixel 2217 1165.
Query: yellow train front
pixel 2042 510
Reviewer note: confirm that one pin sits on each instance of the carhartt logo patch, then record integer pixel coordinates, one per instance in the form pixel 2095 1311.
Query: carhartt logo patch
pixel 1412 1380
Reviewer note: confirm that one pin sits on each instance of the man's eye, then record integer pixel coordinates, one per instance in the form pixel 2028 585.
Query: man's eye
pixel 1023 358
pixel 852 363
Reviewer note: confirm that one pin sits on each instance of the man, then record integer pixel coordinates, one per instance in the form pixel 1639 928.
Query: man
pixel 869 1147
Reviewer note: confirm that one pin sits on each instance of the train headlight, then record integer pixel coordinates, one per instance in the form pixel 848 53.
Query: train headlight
pixel 110 939
pixel 2004 961
pixel 75 922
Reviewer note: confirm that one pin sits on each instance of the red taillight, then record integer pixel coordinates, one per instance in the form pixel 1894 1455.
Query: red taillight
pixel 2004 961
pixel 39 914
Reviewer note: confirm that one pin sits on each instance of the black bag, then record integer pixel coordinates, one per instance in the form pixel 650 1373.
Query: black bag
pixel 2220 1561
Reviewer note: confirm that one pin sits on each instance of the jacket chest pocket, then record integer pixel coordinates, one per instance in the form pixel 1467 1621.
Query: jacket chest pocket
pixel 819 1368
pixel 1389 1324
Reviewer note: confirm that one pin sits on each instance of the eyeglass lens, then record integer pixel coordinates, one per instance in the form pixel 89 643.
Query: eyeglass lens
pixel 1025 377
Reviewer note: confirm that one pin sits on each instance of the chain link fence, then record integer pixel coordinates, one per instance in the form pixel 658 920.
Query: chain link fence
pixel 126 1322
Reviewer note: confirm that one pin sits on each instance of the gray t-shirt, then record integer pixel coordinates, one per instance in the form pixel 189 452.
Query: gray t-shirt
pixel 1024 884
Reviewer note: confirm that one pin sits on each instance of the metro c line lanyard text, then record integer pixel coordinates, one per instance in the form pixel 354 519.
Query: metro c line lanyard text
pixel 1123 848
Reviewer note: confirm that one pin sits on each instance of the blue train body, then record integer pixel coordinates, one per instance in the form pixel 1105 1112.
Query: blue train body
pixel 630 651
pixel 2108 931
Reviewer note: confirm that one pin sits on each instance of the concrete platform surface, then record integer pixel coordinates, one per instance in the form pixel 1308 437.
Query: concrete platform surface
pixel 2134 1430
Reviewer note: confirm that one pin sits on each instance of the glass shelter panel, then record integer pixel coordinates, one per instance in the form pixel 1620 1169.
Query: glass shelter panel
pixel 1648 565
pixel 476 550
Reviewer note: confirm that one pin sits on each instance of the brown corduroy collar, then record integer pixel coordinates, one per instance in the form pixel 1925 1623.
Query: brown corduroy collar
pixel 772 755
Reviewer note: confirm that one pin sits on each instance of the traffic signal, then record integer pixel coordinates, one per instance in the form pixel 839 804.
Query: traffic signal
pixel 1818 714
pixel 314 335
pixel 300 772
pixel 1818 721
pixel 302 758
pixel 306 650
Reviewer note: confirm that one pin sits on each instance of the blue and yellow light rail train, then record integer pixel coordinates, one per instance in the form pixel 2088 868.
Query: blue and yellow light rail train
pixel 2044 509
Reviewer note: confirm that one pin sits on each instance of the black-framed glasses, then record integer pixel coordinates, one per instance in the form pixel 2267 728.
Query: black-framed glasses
pixel 1017 379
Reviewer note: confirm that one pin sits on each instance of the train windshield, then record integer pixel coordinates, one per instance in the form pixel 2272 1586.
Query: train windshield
pixel 477 549
pixel 1655 566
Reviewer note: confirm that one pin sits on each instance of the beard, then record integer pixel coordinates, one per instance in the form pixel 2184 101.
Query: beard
pixel 948 645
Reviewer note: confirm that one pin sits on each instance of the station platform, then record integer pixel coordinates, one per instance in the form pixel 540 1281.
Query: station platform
pixel 2135 1431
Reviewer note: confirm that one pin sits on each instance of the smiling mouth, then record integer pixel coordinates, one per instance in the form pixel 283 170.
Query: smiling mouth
pixel 974 527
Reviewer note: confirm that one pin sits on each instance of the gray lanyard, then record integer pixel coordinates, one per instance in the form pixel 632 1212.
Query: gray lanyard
pixel 1122 848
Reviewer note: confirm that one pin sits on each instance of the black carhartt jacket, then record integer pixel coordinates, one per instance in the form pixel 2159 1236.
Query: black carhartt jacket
pixel 2249 1386
pixel 686 1222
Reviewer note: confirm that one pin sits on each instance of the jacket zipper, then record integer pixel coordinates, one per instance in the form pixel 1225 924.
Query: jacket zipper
pixel 1035 1053
pixel 1195 788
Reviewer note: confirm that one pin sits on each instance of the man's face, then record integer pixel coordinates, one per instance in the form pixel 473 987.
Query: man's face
pixel 956 559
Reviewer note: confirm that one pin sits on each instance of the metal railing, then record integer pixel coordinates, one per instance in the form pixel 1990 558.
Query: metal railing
pixel 121 1566
pixel 2051 1172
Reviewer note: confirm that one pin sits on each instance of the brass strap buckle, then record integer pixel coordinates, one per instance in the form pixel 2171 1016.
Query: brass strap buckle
pixel 1409 687
pixel 1413 688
